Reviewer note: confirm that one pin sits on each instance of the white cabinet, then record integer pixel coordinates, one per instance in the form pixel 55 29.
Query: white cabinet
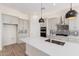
pixel 9 34
pixel 23 29
pixel 23 25
pixel 72 25
pixel 9 19
pixel 32 51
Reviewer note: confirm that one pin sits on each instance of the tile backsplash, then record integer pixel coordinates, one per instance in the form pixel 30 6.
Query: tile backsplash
pixel 72 33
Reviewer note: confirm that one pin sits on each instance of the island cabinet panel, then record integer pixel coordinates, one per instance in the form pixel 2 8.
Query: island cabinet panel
pixel 32 51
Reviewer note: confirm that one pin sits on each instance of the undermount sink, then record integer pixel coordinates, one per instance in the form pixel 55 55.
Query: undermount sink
pixel 55 41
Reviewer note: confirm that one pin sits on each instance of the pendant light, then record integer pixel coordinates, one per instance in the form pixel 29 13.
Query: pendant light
pixel 71 13
pixel 41 20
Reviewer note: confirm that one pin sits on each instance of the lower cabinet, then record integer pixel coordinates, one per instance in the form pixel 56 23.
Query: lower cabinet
pixel 32 51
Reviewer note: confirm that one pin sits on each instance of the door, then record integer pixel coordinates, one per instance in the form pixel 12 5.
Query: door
pixel 9 34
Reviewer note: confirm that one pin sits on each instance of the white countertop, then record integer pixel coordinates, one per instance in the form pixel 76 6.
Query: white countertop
pixel 53 49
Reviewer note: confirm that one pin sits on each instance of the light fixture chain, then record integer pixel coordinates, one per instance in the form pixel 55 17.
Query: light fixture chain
pixel 41 9
pixel 71 5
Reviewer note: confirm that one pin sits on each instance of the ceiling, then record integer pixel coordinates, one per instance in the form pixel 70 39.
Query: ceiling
pixel 36 7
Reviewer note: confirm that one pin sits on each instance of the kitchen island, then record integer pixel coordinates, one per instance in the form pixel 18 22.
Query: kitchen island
pixel 39 47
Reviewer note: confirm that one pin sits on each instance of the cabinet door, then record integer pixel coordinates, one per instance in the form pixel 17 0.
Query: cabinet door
pixel 23 29
pixel 9 19
pixel 9 34
pixel 72 25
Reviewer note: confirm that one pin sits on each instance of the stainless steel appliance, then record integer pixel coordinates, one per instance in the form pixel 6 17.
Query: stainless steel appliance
pixel 43 31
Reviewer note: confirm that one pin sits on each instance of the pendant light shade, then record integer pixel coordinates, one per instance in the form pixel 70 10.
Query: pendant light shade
pixel 71 13
pixel 41 20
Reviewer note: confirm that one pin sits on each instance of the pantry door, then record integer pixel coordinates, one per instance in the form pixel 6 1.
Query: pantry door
pixel 9 34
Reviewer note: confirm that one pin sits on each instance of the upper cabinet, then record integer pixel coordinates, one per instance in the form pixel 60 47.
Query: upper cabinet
pixel 23 24
pixel 9 19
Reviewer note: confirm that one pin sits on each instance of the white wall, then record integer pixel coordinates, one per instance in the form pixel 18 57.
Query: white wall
pixel 34 26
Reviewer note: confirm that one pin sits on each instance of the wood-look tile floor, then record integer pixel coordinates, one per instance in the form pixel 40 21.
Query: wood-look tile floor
pixel 14 50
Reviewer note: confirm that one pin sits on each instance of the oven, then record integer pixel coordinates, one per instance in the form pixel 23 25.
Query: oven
pixel 43 31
